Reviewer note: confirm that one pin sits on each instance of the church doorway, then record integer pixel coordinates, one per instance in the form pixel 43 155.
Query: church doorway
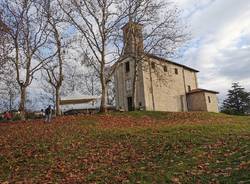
pixel 130 103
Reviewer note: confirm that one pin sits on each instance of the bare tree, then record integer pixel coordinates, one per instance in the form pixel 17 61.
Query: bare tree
pixel 9 89
pixel 73 79
pixel 54 69
pixel 56 82
pixel 91 82
pixel 47 95
pixel 97 22
pixel 5 47
pixel 28 36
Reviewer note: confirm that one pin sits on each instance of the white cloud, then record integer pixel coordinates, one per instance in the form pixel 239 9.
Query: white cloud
pixel 220 47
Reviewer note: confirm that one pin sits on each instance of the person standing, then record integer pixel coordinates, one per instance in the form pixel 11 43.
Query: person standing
pixel 42 113
pixel 48 114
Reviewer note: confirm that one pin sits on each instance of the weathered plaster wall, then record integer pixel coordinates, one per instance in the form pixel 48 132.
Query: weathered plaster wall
pixel 169 89
pixel 197 102
pixel 213 105
pixel 122 92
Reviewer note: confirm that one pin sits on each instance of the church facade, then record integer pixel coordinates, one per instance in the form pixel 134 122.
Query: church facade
pixel 156 84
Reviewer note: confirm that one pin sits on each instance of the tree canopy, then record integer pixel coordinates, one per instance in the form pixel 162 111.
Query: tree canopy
pixel 237 101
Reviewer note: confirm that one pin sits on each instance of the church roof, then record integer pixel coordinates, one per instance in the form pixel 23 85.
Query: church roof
pixel 166 60
pixel 202 90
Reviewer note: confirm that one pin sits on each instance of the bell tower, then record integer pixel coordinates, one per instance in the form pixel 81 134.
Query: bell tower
pixel 133 39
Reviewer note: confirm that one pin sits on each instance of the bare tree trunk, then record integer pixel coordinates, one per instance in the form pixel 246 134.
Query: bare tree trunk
pixel 103 107
pixel 22 101
pixel 58 111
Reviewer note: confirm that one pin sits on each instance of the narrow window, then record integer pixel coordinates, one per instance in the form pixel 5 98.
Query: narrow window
pixel 153 65
pixel 189 88
pixel 176 71
pixel 127 66
pixel 165 68
pixel 209 99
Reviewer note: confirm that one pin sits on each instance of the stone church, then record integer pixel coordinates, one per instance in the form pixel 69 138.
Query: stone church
pixel 160 84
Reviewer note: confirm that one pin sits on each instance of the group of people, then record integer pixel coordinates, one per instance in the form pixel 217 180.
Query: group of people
pixel 46 114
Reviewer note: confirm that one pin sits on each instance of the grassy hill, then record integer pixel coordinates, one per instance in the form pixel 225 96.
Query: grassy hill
pixel 136 147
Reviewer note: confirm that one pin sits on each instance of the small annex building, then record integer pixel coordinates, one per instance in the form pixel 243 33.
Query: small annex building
pixel 160 84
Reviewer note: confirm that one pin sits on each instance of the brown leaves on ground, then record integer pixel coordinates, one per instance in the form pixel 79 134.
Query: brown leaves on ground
pixel 124 121
pixel 122 148
pixel 170 118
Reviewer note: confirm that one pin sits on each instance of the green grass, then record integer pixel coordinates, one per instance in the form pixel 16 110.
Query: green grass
pixel 168 148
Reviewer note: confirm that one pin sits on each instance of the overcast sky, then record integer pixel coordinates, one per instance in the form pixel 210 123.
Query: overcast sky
pixel 220 45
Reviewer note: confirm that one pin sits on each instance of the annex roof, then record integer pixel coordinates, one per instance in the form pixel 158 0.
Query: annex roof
pixel 198 90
